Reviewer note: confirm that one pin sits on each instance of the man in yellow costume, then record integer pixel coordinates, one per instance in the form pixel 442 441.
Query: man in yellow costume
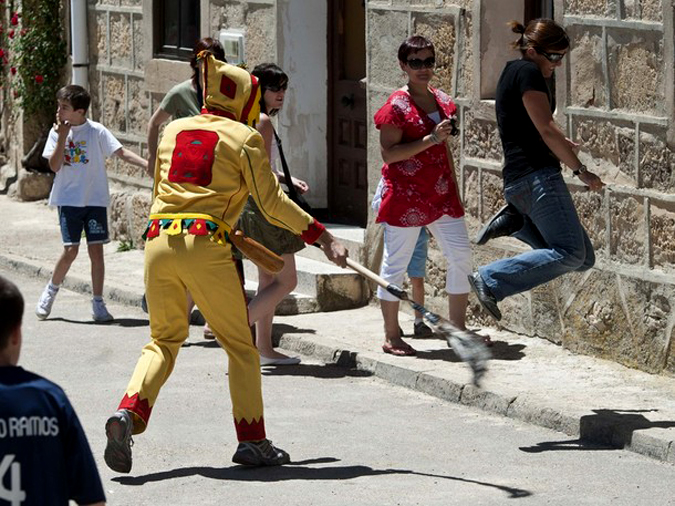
pixel 206 167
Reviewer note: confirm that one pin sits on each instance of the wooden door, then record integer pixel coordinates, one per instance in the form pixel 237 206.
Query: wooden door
pixel 347 126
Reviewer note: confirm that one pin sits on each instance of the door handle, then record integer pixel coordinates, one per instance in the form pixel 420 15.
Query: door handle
pixel 347 101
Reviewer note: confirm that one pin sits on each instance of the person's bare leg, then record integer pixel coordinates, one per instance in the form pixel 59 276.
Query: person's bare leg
pixel 263 325
pixel 271 290
pixel 392 335
pixel 457 304
pixel 97 268
pixel 457 315
pixel 417 293
pixel 64 262
pixel 190 306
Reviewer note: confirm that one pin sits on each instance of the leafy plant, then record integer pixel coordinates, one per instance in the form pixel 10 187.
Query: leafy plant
pixel 125 245
pixel 35 53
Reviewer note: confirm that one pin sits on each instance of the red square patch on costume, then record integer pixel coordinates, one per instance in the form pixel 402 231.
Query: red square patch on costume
pixel 193 157
pixel 228 87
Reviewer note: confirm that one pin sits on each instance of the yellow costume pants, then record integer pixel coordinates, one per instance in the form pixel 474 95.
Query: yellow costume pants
pixel 174 263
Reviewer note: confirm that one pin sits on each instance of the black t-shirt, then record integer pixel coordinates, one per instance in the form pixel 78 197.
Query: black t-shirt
pixel 524 149
pixel 44 455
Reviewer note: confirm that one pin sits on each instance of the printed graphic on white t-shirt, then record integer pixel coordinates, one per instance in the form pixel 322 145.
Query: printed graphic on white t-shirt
pixel 76 152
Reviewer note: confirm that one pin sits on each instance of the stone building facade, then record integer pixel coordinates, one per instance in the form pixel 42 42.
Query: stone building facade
pixel 614 95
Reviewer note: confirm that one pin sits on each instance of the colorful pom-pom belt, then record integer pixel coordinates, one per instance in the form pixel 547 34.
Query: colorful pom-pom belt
pixel 193 224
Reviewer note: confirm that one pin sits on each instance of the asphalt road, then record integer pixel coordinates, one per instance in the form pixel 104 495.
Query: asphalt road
pixel 354 439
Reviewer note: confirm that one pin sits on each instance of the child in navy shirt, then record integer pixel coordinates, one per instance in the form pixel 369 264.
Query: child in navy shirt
pixel 44 455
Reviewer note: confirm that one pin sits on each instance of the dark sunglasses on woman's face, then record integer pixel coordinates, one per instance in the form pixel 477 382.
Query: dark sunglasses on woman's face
pixel 552 57
pixel 276 89
pixel 417 64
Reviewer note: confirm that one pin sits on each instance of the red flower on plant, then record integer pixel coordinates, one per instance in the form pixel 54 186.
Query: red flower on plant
pixel 10 34
pixel 15 19
pixel 39 79
pixel 2 53
pixel 13 71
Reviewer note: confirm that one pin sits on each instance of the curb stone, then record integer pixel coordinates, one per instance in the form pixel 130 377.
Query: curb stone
pixel 71 282
pixel 606 434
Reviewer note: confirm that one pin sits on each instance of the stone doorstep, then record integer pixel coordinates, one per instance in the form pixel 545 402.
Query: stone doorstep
pixel 293 303
pixel 322 286
pixel 352 237
pixel 332 287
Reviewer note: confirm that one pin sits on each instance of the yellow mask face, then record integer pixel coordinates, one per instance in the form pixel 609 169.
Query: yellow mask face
pixel 229 90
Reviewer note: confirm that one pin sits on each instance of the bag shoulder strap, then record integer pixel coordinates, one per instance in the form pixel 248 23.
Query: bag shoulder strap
pixel 287 174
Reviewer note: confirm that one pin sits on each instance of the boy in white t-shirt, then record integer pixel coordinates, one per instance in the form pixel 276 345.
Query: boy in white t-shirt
pixel 76 150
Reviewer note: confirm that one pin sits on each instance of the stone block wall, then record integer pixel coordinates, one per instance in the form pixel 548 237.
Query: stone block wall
pixel 614 96
pixel 121 102
pixel 128 84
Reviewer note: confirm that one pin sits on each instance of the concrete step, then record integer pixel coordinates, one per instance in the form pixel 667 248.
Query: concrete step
pixel 352 237
pixel 321 286
pixel 293 303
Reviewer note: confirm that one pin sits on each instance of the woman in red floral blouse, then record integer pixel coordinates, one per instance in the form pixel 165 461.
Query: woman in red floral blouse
pixel 420 186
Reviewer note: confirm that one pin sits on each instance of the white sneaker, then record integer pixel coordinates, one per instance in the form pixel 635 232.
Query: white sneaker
pixel 44 305
pixel 100 312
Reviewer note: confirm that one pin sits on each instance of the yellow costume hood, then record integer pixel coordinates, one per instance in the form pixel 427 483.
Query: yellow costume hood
pixel 229 91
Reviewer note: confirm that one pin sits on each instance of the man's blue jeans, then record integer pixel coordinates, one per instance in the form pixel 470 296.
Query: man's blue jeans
pixel 552 228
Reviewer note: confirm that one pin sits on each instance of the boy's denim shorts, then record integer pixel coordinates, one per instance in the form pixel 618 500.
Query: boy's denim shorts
pixel 417 268
pixel 92 219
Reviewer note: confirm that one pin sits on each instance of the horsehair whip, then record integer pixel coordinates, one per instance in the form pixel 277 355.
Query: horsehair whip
pixel 465 344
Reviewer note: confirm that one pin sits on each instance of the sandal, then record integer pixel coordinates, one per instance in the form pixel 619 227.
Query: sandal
pixel 208 333
pixel 401 351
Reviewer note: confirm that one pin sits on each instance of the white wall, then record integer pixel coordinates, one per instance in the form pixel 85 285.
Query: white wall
pixel 302 51
pixel 495 37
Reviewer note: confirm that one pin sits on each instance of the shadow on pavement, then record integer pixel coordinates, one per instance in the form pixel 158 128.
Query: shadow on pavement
pixel 298 471
pixel 327 371
pixel 117 322
pixel 501 350
pixel 279 329
pixel 607 429
pixel 204 343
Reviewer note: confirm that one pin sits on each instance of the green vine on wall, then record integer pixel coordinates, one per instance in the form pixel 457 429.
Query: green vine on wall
pixel 34 53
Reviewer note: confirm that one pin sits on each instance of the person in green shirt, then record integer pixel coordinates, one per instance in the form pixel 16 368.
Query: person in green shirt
pixel 183 100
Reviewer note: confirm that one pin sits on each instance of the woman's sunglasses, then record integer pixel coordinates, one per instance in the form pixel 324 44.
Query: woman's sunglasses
pixel 276 89
pixel 417 64
pixel 552 57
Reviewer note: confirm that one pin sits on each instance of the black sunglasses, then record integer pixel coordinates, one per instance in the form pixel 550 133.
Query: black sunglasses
pixel 276 89
pixel 417 64
pixel 552 57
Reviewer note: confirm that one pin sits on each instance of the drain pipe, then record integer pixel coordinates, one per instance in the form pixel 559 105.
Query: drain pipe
pixel 79 40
